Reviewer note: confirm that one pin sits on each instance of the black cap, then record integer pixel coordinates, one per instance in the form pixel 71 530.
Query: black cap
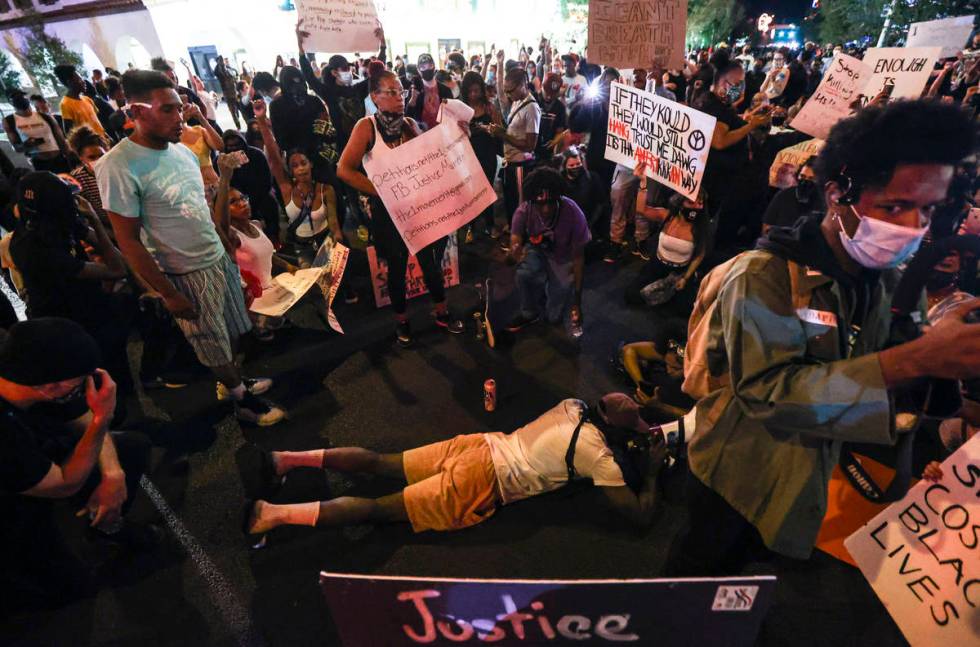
pixel 337 61
pixel 47 350
pixel 44 192
pixel 426 58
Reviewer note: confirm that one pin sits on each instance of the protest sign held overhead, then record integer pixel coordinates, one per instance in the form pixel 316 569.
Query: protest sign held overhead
pixel 339 25
pixel 905 69
pixel 949 33
pixel 782 172
pixel 626 33
pixel 920 555
pixel 672 140
pixel 414 281
pixel 832 101
pixel 433 184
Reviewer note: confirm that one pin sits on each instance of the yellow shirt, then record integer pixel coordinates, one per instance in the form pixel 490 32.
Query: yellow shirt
pixel 81 111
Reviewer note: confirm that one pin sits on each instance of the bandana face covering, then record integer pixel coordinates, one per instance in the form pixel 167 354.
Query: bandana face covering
pixel 880 245
pixel 390 124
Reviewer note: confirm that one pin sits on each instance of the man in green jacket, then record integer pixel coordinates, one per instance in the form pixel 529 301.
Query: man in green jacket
pixel 799 347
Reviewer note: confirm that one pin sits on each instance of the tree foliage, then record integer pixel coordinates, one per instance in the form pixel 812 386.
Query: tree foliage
pixel 711 21
pixel 43 51
pixel 848 20
pixel 9 76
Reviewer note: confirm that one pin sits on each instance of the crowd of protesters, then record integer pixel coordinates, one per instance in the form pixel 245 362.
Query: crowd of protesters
pixel 141 216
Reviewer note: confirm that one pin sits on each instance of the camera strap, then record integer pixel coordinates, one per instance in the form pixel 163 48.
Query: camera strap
pixel 861 481
pixel 570 452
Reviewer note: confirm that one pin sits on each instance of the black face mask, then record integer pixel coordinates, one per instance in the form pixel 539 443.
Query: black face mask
pixel 940 280
pixel 574 173
pixel 428 75
pixel 805 190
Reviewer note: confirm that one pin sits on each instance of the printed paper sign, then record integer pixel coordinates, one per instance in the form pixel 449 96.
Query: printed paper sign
pixel 833 99
pixel 431 185
pixel 339 25
pixel 782 173
pixel 414 282
pixel 287 289
pixel 907 69
pixel 627 34
pixel 671 139
pixel 949 33
pixel 920 555
pixel 378 611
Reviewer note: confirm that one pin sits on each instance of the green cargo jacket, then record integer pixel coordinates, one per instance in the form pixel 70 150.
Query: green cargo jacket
pixel 769 439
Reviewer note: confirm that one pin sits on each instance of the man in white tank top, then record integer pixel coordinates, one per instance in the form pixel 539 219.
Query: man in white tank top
pixel 36 135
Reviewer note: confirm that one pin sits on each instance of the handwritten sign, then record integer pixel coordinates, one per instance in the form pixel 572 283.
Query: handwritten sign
pixel 949 33
pixel 431 185
pixel 379 611
pixel 414 281
pixel 339 25
pixel 625 33
pixel 905 68
pixel 920 555
pixel 287 289
pixel 782 173
pixel 671 139
pixel 832 101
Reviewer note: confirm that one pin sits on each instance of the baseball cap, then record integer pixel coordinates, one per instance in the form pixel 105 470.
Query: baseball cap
pixel 47 350
pixel 620 410
pixel 337 61
pixel 44 192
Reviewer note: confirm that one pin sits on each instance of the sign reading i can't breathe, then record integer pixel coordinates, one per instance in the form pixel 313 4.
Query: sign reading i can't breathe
pixel 672 140
pixel 922 555
pixel 383 611
pixel 627 33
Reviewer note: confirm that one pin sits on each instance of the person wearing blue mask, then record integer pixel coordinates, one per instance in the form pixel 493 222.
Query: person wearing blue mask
pixel 799 356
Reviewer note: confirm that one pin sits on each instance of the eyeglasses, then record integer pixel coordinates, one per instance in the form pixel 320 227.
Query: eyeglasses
pixel 394 93
pixel 242 199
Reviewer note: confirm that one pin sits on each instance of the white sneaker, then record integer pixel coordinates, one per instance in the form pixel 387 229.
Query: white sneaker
pixel 255 386
pixel 257 411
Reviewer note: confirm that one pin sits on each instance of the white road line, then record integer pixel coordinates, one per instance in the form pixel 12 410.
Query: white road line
pixel 223 595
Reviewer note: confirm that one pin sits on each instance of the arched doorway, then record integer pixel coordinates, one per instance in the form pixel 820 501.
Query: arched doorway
pixel 131 53
pixel 90 60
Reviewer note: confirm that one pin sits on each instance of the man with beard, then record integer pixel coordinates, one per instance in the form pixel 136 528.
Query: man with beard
pixel 426 94
pixel 300 121
pixel 154 195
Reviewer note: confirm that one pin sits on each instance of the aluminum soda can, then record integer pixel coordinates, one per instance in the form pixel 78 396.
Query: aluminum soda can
pixel 490 395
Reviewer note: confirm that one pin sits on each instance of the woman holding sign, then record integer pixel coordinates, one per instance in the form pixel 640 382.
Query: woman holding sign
pixel 377 135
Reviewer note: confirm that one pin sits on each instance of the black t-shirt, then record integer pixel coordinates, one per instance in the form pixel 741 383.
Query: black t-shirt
pixel 785 209
pixel 553 118
pixel 293 127
pixel 30 441
pixel 678 80
pixel 726 163
pixel 753 83
pixel 50 270
pixel 795 87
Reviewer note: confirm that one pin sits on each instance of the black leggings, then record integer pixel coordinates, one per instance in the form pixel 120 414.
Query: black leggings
pixel 430 260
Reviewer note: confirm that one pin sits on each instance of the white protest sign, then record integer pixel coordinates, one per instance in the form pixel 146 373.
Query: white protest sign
pixel 831 101
pixel 626 33
pixel 414 281
pixel 922 555
pixel 339 25
pixel 671 139
pixel 949 33
pixel 782 172
pixel 433 184
pixel 287 289
pixel 905 68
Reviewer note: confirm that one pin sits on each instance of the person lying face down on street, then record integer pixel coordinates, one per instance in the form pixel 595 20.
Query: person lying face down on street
pixel 462 481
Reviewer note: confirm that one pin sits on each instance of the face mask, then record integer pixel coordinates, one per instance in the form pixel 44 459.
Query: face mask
pixel 346 78
pixel 574 173
pixel 734 92
pixel 879 245
pixel 939 281
pixel 491 78
pixel 391 124
pixel 804 190
pixel 427 75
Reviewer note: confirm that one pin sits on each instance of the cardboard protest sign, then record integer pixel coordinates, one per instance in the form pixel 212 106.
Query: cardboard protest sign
pixel 832 101
pixel 671 139
pixel 378 611
pixel 949 33
pixel 433 184
pixel 339 25
pixel 414 282
pixel 907 69
pixel 782 173
pixel 920 555
pixel 287 289
pixel 627 34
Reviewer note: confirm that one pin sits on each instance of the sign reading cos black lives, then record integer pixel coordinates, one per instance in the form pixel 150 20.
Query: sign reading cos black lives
pixel 385 611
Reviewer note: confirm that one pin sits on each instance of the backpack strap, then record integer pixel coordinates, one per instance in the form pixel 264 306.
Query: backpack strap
pixel 570 452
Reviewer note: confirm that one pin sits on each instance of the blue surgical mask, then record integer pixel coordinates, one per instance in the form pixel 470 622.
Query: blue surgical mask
pixel 735 91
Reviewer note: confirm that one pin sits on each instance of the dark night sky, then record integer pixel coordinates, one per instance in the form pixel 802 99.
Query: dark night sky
pixel 785 10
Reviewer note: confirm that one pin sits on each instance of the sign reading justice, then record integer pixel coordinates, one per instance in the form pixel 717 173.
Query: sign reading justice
pixel 671 139
pixel 381 611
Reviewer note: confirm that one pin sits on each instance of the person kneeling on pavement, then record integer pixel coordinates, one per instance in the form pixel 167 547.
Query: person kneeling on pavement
pixel 460 482
pixel 548 235
pixel 55 444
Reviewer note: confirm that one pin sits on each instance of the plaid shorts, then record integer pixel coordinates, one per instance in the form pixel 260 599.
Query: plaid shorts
pixel 216 291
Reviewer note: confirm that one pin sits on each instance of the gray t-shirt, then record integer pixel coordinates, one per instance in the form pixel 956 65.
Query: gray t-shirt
pixel 523 119
pixel 163 188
